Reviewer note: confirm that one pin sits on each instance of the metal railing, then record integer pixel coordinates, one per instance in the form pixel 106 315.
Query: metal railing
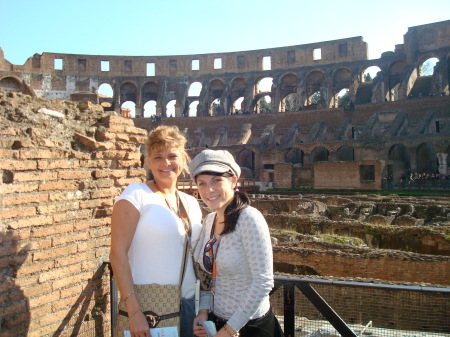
pixel 318 307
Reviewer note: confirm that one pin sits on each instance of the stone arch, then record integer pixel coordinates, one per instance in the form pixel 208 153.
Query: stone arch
pixel 262 85
pixel 195 88
pixel 396 73
pixel 149 92
pixel 170 108
pixel 314 81
pixel 342 79
pixel 345 153
pixel 239 90
pixel 294 156
pixel 149 108
pixel 319 154
pixel 401 163
pixel 288 93
pixel 246 158
pixel 426 158
pixel 128 92
pixel 216 89
pixel 193 108
pixel 11 84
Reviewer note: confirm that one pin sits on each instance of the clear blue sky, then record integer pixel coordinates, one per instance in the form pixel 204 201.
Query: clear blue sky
pixel 180 27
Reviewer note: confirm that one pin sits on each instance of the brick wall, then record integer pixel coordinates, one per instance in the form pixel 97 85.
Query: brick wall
pixel 54 234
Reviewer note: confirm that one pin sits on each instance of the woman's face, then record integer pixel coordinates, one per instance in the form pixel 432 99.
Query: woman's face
pixel 216 191
pixel 166 165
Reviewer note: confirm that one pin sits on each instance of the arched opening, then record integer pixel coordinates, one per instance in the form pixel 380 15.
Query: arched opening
pixel 238 88
pixel 170 108
pixel 427 161
pixel 399 156
pixel 343 97
pixel 214 108
pixel 369 74
pixel 150 109
pixel 427 67
pixel 246 159
pixel 342 80
pixel 128 92
pixel 313 84
pixel 149 92
pixel 10 84
pixel 291 102
pixel 193 109
pixel 319 154
pixel 264 105
pixel 237 106
pixel 294 156
pixel 345 153
pixel 396 74
pixel 195 89
pixel 128 109
pixel 264 85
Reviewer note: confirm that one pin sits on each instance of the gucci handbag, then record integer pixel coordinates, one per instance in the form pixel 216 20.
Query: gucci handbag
pixel 161 304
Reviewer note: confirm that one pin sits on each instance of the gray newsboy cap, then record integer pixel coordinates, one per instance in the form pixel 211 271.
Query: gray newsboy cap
pixel 219 161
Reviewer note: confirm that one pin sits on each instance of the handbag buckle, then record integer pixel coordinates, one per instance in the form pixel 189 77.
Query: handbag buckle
pixel 152 318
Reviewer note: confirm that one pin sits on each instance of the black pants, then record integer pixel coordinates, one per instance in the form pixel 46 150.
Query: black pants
pixel 265 326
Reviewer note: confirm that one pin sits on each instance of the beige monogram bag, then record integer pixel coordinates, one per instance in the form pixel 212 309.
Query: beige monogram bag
pixel 159 303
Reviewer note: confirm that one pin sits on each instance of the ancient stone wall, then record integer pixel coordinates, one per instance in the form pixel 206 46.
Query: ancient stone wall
pixel 294 70
pixel 62 165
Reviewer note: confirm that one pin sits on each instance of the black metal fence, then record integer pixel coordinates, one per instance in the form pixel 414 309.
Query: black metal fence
pixel 317 307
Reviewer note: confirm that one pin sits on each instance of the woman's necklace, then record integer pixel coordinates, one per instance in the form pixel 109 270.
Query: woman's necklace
pixel 176 210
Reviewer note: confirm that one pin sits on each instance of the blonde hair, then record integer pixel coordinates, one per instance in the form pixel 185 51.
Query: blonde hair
pixel 165 137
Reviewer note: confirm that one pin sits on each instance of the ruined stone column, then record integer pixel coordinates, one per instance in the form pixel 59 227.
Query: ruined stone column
pixel 442 159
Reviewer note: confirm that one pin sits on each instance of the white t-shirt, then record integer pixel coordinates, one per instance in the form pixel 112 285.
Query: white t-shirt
pixel 156 251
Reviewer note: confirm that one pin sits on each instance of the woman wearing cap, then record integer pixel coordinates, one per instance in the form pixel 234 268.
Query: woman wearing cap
pixel 148 231
pixel 236 250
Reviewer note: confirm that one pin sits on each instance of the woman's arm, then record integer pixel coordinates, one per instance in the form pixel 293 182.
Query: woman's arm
pixel 124 221
pixel 257 247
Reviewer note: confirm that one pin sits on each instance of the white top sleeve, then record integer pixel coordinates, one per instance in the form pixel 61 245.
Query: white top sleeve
pixel 156 251
pixel 244 270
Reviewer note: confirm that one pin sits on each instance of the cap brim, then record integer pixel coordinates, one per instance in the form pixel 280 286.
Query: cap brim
pixel 219 168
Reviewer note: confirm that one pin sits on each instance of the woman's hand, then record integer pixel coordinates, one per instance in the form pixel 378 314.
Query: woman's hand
pixel 198 330
pixel 138 325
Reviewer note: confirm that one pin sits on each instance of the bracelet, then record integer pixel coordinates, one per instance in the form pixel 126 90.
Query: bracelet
pixel 134 313
pixel 228 331
pixel 126 297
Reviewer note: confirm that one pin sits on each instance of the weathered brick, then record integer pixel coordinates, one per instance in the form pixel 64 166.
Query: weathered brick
pixel 35 176
pixel 110 120
pixel 71 216
pixel 42 154
pixel 18 165
pixel 16 212
pixel 111 154
pixel 58 185
pixel 51 230
pixel 128 163
pixel 59 272
pixel 30 222
pixel 21 199
pixel 138 172
pixel 11 154
pixel 58 164
pixel 19 188
pixel 128 181
pixel 133 156
pixel 96 203
pixel 32 268
pixel 72 279
pixel 112 192
pixel 68 195
pixel 37 301
pixel 59 240
pixel 51 254
pixel 58 207
pixel 74 174
pixel 96 163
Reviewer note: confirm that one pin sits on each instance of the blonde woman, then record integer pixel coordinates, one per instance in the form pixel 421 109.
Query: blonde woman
pixel 148 231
